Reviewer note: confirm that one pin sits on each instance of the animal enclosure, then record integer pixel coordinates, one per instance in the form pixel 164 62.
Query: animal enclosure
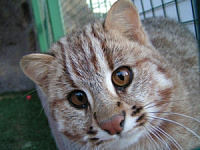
pixel 58 17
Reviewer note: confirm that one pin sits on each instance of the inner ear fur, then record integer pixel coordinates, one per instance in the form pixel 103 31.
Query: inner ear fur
pixel 37 67
pixel 123 17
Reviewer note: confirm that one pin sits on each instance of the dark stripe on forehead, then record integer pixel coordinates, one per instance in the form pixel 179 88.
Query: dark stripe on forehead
pixel 96 32
pixel 65 67
pixel 75 51
pixel 94 60
pixel 74 68
pixel 83 50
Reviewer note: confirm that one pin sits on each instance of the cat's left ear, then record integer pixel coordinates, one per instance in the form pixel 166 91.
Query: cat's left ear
pixel 37 68
pixel 123 17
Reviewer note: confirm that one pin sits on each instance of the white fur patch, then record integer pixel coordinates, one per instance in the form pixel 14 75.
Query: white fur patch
pixel 89 96
pixel 162 80
pixel 109 83
pixel 129 124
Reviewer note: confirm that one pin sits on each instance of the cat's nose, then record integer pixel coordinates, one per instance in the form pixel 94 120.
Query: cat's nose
pixel 113 126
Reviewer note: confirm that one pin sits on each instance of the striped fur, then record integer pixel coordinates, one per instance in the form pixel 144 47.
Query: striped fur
pixel 159 104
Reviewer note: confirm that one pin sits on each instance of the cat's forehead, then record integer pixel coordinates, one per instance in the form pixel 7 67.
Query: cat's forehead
pixel 90 51
pixel 81 53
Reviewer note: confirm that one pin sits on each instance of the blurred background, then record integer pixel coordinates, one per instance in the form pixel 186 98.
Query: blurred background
pixel 29 26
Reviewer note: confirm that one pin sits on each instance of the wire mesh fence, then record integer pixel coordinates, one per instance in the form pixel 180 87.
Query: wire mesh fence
pixel 183 11
pixel 75 14
pixel 80 12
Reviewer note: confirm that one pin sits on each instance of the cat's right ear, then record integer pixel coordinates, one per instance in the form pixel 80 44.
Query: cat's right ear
pixel 124 18
pixel 37 67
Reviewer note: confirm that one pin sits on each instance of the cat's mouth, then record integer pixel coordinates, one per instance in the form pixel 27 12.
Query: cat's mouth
pixel 131 133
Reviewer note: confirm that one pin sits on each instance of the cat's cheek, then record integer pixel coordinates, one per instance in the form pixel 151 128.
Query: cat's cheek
pixel 66 118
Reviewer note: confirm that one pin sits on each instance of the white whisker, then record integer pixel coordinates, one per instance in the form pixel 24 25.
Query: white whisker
pixel 150 138
pixel 43 106
pixel 26 94
pixel 159 136
pixel 170 138
pixel 148 104
pixel 183 115
pixel 71 144
pixel 177 124
pixel 147 131
pixel 155 105
pixel 164 103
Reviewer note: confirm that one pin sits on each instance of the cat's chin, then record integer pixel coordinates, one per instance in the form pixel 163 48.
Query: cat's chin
pixel 126 140
pixel 123 140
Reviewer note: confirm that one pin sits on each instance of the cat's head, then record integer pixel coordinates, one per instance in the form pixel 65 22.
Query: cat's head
pixel 104 81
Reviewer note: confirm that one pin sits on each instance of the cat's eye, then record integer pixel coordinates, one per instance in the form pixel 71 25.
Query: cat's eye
pixel 122 77
pixel 78 99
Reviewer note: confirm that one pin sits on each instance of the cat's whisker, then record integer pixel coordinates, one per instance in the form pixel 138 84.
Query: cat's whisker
pixel 147 132
pixel 158 136
pixel 82 147
pixel 163 103
pixel 98 148
pixel 156 105
pixel 174 122
pixel 26 94
pixel 183 115
pixel 150 138
pixel 169 137
pixel 148 103
pixel 43 106
pixel 73 143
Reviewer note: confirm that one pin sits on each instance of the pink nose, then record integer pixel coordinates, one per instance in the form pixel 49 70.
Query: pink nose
pixel 114 125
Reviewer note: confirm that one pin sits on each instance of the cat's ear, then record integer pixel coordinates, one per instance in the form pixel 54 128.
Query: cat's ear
pixel 123 17
pixel 36 67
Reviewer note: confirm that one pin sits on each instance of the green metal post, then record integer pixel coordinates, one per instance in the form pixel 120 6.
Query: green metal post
pixel 40 26
pixel 55 16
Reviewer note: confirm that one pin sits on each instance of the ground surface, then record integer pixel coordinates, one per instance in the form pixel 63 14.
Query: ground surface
pixel 23 124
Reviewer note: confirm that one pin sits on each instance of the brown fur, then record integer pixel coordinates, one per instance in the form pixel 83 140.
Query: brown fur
pixel 165 87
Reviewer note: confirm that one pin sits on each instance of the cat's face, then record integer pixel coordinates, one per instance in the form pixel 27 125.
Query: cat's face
pixel 98 78
pixel 103 88
pixel 105 83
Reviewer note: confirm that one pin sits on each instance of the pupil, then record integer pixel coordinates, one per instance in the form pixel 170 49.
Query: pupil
pixel 79 96
pixel 121 75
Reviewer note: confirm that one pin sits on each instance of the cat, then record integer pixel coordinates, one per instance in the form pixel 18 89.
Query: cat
pixel 123 83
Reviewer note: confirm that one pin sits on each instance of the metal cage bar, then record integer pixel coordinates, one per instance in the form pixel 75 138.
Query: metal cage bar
pixel 177 10
pixel 196 14
pixel 163 7
pixel 40 26
pixel 48 21
pixel 55 19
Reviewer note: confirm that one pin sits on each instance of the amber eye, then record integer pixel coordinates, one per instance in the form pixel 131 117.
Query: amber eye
pixel 122 77
pixel 78 99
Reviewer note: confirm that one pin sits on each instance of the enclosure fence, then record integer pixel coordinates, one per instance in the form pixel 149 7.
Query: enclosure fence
pixel 56 18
